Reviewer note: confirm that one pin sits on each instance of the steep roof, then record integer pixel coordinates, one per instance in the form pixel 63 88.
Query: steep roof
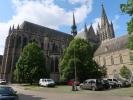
pixel 28 26
pixel 89 34
pixel 112 45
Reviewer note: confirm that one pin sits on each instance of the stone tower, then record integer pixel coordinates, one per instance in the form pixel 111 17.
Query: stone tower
pixel 74 27
pixel 105 30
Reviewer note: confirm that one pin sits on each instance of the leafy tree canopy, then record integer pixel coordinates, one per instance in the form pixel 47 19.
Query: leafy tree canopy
pixel 128 8
pixel 125 72
pixel 79 54
pixel 31 64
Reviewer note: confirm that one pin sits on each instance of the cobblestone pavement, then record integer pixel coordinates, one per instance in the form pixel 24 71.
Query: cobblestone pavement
pixel 47 95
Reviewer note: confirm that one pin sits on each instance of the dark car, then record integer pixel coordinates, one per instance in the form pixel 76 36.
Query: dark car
pixel 112 83
pixel 71 82
pixel 106 84
pixel 7 93
pixel 126 83
pixel 92 84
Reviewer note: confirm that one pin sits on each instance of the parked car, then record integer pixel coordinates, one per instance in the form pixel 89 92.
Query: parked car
pixel 112 83
pixel 7 93
pixel 126 83
pixel 92 84
pixel 3 81
pixel 106 84
pixel 119 83
pixel 71 82
pixel 47 82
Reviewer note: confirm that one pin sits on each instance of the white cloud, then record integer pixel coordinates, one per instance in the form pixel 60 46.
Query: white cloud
pixel 80 1
pixel 95 23
pixel 43 12
pixel 115 22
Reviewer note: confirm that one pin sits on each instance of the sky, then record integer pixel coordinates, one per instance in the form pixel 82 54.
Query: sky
pixel 57 14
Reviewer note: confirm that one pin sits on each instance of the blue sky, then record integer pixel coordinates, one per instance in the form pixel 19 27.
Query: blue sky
pixel 57 14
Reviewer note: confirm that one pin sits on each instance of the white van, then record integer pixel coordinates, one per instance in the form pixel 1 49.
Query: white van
pixel 46 82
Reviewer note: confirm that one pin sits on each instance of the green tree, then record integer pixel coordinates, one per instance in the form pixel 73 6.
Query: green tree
pixel 128 9
pixel 30 66
pixel 85 65
pixel 125 72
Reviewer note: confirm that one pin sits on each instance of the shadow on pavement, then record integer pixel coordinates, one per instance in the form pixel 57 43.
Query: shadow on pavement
pixel 29 97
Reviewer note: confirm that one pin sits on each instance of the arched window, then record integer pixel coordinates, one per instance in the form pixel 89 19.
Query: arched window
pixel 121 59
pixel 12 42
pixel 18 42
pixel 56 65
pixel 52 65
pixel 42 45
pixel 24 41
pixel 112 60
pixel 104 61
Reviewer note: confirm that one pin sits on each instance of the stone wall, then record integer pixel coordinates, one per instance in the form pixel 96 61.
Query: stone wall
pixel 114 61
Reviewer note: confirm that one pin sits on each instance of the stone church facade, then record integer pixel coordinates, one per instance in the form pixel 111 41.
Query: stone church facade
pixel 51 41
pixel 110 51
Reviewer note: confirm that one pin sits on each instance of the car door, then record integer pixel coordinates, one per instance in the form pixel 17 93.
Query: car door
pixel 85 85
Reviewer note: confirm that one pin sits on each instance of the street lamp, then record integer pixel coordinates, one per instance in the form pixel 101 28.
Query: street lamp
pixel 75 73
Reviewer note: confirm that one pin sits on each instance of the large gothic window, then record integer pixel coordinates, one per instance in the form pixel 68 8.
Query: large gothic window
pixel 121 59
pixel 104 61
pixel 12 42
pixel 24 41
pixel 52 65
pixel 18 42
pixel 112 60
pixel 42 45
pixel 56 65
pixel 54 48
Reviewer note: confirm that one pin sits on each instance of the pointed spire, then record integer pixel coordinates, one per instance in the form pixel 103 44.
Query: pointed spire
pixel 98 26
pixel 85 28
pixel 111 23
pixel 104 19
pixel 74 19
pixel 13 27
pixel 74 27
pixel 18 27
pixel 91 27
pixel 10 30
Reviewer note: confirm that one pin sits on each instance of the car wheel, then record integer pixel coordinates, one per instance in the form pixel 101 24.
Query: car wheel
pixel 81 87
pixel 93 88
pixel 110 87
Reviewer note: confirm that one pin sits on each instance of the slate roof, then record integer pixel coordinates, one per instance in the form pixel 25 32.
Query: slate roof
pixel 90 35
pixel 112 45
pixel 28 26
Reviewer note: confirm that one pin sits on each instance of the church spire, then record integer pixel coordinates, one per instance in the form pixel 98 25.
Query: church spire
pixel 10 30
pixel 85 28
pixel 104 19
pixel 74 27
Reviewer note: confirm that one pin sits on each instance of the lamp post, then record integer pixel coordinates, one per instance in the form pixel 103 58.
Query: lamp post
pixel 75 73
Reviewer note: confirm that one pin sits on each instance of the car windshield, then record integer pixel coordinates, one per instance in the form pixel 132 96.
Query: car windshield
pixel 49 80
pixel 6 90
pixel 115 80
pixel 99 81
pixel 110 79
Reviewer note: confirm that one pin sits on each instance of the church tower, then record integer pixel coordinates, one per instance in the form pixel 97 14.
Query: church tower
pixel 105 30
pixel 74 27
